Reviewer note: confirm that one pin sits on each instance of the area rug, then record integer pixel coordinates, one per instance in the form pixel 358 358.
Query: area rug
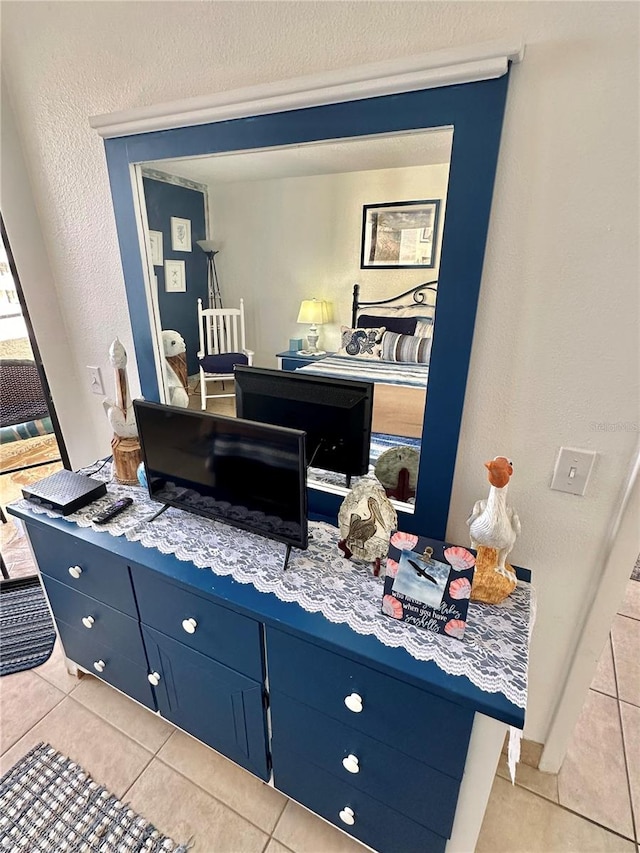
pixel 49 804
pixel 27 634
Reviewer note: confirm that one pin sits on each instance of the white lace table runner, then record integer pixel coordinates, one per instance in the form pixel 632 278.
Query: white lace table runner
pixel 493 654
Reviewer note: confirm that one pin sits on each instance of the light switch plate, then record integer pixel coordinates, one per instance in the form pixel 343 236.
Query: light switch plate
pixel 95 380
pixel 572 471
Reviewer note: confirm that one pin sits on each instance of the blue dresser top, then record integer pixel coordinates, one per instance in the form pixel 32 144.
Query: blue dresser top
pixel 291 617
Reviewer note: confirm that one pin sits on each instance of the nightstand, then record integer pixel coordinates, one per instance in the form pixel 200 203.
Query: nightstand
pixel 292 359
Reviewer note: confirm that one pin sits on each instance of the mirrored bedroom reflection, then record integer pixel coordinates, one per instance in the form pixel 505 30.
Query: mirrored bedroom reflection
pixel 276 239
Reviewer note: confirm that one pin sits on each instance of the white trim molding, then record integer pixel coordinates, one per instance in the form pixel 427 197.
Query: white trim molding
pixel 448 67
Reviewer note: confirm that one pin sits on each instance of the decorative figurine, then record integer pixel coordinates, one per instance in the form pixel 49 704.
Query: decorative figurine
pixel 494 527
pixel 125 445
pixel 366 520
pixel 175 368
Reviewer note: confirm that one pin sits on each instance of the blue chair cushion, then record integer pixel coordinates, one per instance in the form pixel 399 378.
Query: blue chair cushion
pixel 223 363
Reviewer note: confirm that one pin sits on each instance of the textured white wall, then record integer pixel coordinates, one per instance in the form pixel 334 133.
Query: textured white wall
pixel 556 343
pixel 297 238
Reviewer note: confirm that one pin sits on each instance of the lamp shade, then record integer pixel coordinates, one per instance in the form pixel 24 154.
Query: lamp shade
pixel 314 311
pixel 207 246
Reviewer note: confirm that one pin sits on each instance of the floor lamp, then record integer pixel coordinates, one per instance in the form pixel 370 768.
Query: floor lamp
pixel 215 297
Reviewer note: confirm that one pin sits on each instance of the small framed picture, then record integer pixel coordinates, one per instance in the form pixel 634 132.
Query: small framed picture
pixel 399 234
pixel 155 241
pixel 180 234
pixel 175 280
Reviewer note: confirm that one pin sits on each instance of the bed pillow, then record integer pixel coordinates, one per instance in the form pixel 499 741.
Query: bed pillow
pixel 407 349
pixel 424 327
pixel 364 343
pixel 392 323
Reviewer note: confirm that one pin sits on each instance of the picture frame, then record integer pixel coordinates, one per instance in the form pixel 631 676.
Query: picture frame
pixel 175 280
pixel 157 252
pixel 180 234
pixel 400 234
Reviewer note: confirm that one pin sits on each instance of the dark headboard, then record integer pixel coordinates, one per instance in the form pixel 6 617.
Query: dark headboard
pixel 417 293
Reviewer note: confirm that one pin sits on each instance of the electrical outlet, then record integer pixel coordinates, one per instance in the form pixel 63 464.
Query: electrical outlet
pixel 95 380
pixel 572 471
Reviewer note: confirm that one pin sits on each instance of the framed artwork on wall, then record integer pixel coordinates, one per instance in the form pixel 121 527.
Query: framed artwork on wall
pixel 175 280
pixel 180 234
pixel 157 254
pixel 400 235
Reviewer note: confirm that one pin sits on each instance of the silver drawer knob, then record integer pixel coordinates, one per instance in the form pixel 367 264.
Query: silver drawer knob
pixel 99 665
pixel 189 625
pixel 75 571
pixel 154 678
pixel 351 764
pixel 353 702
pixel 347 816
pixel 88 621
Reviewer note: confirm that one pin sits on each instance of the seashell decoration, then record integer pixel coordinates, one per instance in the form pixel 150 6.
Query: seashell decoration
pixel 455 628
pixel 460 588
pixel 459 558
pixel 391 606
pixel 392 568
pixel 404 541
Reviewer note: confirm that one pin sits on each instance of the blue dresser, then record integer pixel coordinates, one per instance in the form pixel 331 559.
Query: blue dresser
pixel 365 735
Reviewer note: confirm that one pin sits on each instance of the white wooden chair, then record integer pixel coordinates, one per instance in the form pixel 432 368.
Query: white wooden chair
pixel 222 346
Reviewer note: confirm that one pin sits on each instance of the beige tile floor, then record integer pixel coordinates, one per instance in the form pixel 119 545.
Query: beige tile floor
pixel 191 792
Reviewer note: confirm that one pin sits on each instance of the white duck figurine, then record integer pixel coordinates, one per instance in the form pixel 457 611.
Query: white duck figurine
pixel 120 413
pixel 492 523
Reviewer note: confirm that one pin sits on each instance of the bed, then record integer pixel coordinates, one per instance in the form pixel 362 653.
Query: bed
pixel 389 344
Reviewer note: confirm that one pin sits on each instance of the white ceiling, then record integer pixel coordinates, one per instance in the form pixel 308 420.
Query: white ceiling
pixel 425 148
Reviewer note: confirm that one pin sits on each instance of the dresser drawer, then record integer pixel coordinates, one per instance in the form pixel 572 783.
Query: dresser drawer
pixel 217 632
pixel 425 727
pixel 91 618
pixel 374 822
pixel 418 791
pixel 96 572
pixel 293 363
pixel 112 668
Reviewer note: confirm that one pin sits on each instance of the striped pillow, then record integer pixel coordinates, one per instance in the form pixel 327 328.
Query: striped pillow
pixel 409 349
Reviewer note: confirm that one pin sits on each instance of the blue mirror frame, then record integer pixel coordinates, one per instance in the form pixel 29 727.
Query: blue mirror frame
pixel 475 110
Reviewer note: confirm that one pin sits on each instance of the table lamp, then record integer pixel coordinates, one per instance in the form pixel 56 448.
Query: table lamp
pixel 315 312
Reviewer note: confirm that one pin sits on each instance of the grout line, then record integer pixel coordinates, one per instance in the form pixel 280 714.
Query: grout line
pixel 277 823
pixel 213 796
pixel 124 794
pixel 38 721
pixel 602 693
pixel 117 728
pixel 570 811
pixel 624 746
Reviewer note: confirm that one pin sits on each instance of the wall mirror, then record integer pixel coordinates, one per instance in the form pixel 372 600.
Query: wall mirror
pixel 273 254
pixel 287 225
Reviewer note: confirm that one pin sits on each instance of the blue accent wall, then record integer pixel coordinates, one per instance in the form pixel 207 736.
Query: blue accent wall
pixel 179 311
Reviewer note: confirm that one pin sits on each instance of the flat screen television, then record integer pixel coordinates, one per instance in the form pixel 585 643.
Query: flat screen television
pixel 249 475
pixel 334 413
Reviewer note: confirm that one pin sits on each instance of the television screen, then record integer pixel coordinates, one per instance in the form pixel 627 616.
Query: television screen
pixel 249 475
pixel 334 413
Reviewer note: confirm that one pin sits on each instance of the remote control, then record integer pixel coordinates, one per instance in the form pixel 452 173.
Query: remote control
pixel 112 510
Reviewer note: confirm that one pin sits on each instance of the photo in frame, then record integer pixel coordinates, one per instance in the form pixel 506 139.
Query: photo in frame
pixel 180 234
pixel 428 584
pixel 155 243
pixel 400 235
pixel 175 280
